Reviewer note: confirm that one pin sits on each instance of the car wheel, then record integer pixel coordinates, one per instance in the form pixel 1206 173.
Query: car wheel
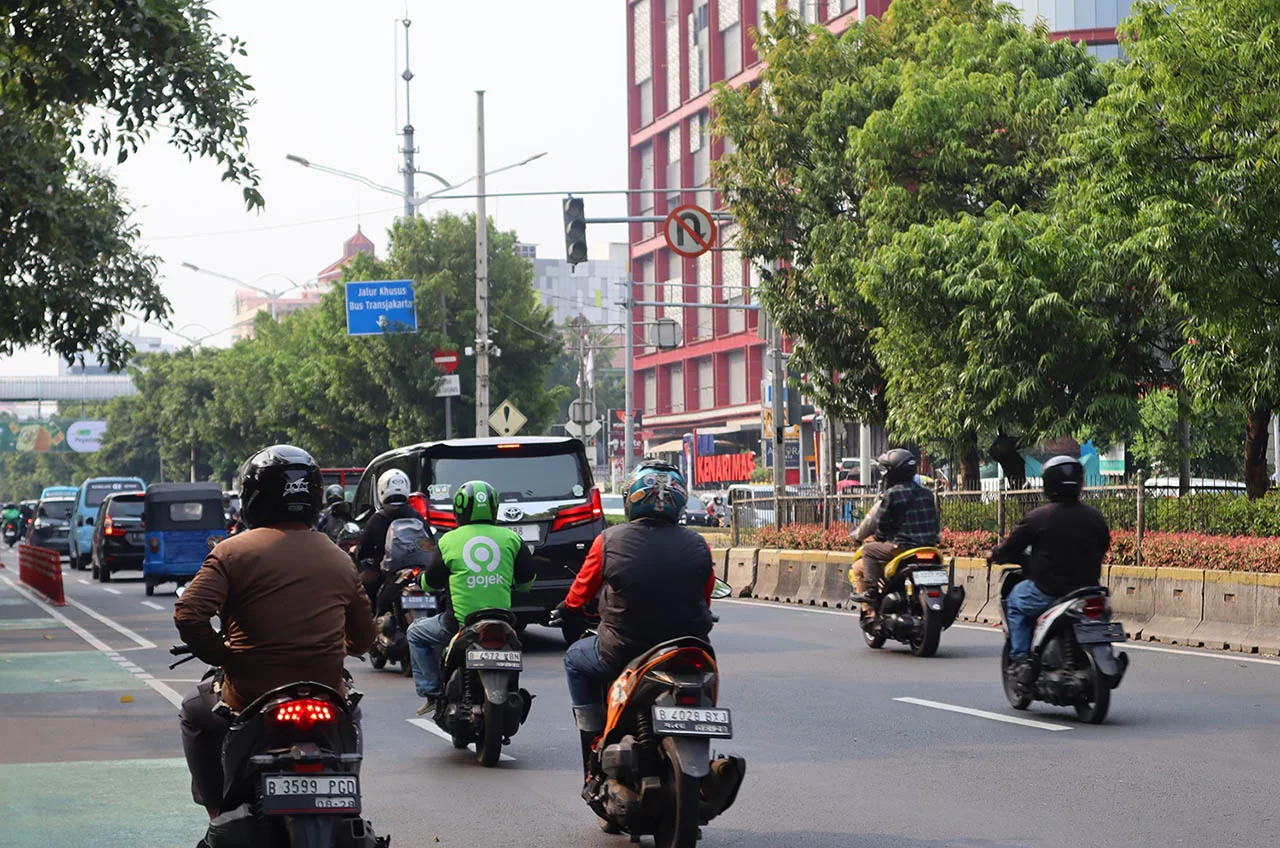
pixel 104 573
pixel 94 574
pixel 149 590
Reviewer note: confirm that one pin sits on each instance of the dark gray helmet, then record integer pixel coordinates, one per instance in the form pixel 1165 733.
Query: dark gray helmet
pixel 280 484
pixel 896 466
pixel 1063 478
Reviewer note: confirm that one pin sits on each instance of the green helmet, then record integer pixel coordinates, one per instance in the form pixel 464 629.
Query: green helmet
pixel 475 502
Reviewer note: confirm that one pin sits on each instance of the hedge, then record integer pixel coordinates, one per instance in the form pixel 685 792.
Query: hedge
pixel 1159 550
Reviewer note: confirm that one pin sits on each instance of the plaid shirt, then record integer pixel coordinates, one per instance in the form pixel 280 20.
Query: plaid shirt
pixel 908 516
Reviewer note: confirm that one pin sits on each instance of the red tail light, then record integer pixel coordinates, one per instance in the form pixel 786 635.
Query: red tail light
pixel 440 518
pixel 154 544
pixel 110 529
pixel 419 503
pixel 927 555
pixel 934 593
pixel 689 700
pixel 585 513
pixel 1095 606
pixel 308 768
pixel 304 713
pixel 688 659
pixel 492 636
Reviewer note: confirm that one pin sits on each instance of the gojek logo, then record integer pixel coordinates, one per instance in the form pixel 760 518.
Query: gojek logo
pixel 481 555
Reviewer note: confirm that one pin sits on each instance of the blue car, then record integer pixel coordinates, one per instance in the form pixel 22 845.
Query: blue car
pixel 89 497
pixel 182 523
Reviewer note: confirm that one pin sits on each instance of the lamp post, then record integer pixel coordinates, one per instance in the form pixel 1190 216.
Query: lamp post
pixel 273 297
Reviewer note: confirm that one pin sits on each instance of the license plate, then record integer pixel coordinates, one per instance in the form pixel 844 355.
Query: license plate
pixel 502 660
pixel 930 578
pixel 284 794
pixel 422 602
pixel 1093 633
pixel 134 538
pixel 692 721
pixel 527 532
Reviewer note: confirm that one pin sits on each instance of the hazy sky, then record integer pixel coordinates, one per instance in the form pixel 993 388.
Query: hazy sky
pixel 326 74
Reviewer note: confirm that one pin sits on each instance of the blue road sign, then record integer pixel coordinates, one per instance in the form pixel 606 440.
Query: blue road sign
pixel 381 306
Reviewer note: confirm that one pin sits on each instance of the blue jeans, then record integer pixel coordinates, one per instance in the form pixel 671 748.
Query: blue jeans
pixel 1026 603
pixel 587 672
pixel 423 635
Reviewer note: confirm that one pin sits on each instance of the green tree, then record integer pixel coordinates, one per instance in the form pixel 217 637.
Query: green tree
pixel 93 78
pixel 1183 175
pixel 1216 437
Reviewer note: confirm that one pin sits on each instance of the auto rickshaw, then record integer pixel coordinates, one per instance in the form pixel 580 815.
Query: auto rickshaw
pixel 183 523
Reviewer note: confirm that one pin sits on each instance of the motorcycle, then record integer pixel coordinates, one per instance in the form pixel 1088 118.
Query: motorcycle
pixel 291 762
pixel 652 770
pixel 482 700
pixel 1072 661
pixel 916 602
pixel 11 532
pixel 403 602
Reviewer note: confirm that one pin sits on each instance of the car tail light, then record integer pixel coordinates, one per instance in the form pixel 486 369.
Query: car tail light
pixel 1095 606
pixel 304 713
pixel 492 636
pixel 440 518
pixel 585 513
pixel 109 528
pixel 154 544
pixel 510 446
pixel 419 504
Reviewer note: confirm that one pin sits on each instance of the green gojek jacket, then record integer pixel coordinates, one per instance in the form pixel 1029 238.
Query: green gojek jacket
pixel 480 564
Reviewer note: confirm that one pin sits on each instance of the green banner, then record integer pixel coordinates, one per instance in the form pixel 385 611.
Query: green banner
pixel 53 435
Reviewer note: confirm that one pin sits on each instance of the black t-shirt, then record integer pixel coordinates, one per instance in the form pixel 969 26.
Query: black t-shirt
pixel 1068 542
pixel 373 543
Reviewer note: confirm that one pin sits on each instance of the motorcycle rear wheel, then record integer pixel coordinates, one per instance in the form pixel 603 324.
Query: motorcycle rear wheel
pixel 679 828
pixel 925 642
pixel 489 746
pixel 377 660
pixel 1017 699
pixel 1095 711
pixel 874 638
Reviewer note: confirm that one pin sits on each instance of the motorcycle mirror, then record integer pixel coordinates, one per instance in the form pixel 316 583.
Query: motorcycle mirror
pixel 721 590
pixel 177 593
pixel 351 527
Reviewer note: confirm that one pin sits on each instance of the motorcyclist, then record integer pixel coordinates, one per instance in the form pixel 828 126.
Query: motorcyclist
pixel 336 512
pixel 1067 541
pixel 393 496
pixel 11 514
pixel 657 580
pixel 907 517
pixel 289 602
pixel 480 564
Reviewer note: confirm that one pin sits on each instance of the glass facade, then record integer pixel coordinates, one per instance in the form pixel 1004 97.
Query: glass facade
pixel 1066 15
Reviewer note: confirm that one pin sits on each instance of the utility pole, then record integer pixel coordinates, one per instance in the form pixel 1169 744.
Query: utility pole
pixel 579 329
pixel 779 460
pixel 407 150
pixel 482 281
pixel 629 355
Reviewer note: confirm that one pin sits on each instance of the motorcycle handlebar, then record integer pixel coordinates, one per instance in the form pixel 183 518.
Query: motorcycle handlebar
pixel 179 650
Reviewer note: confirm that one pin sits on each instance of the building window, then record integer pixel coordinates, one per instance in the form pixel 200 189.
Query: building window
pixel 675 377
pixel 700 149
pixel 699 59
pixel 642 46
pixel 673 292
pixel 706 321
pixel 643 274
pixel 650 392
pixel 737 378
pixel 671 30
pixel 646 187
pixel 706 384
pixel 730 38
pixel 731 287
pixel 808 9
pixel 675 146
pixel 839 7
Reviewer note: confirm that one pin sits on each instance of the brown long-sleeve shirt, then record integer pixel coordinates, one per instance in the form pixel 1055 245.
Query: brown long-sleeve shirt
pixel 291 607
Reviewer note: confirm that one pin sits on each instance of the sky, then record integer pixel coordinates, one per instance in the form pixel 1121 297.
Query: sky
pixel 326 75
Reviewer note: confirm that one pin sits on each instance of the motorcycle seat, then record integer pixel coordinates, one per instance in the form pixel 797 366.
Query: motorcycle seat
pixel 679 642
pixel 1083 592
pixel 490 615
pixel 913 555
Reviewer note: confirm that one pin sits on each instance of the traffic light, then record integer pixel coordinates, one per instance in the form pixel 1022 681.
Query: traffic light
pixel 575 230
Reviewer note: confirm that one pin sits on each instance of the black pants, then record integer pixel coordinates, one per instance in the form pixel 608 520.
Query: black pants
pixel 202 736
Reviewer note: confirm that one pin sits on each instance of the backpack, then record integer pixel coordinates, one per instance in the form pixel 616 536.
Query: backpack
pixel 408 545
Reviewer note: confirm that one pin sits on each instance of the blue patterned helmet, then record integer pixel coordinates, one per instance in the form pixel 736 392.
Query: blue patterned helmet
pixel 655 489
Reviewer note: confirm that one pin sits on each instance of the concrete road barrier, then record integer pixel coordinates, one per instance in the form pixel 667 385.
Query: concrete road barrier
pixel 813 567
pixel 1230 604
pixel 1133 597
pixel 1265 633
pixel 971 574
pixel 720 562
pixel 836 587
pixel 741 571
pixel 1179 606
pixel 991 612
pixel 790 573
pixel 767 573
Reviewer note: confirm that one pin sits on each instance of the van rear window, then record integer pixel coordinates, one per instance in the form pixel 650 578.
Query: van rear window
pixel 96 493
pixel 516 478
pixel 126 508
pixel 192 511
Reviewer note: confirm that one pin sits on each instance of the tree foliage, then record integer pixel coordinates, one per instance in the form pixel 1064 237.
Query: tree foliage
pixel 81 79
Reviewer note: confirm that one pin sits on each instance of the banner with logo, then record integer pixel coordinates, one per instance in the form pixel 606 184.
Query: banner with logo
pixel 53 435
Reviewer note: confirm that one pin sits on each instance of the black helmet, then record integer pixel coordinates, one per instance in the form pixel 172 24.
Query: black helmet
pixel 896 466
pixel 280 484
pixel 475 502
pixel 334 494
pixel 1063 478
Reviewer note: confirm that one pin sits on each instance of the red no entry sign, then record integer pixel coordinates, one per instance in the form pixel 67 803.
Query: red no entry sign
pixel 690 230
pixel 447 360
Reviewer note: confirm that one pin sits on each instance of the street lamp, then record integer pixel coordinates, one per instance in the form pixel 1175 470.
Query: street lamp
pixel 273 297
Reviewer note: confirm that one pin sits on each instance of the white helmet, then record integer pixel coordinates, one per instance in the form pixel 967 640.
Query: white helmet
pixel 393 483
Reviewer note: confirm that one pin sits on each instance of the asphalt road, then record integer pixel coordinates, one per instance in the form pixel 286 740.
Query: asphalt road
pixel 1189 755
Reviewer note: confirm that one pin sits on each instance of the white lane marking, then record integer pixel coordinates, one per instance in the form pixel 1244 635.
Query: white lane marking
pixel 112 591
pixel 152 604
pixel 82 580
pixel 995 629
pixel 166 692
pixel 969 711
pixel 178 679
pixel 119 628
pixel 430 727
